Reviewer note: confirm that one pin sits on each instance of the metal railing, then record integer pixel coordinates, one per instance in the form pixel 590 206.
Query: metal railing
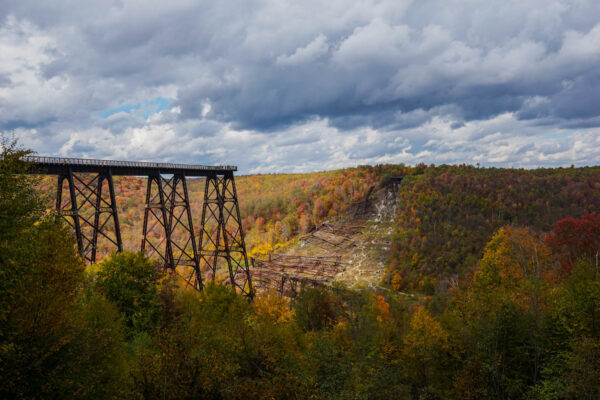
pixel 127 164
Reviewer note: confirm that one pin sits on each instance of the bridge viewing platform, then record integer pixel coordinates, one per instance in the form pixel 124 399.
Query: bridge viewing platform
pixel 60 165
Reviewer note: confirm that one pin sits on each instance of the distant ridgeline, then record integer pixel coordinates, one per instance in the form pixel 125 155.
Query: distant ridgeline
pixel 447 214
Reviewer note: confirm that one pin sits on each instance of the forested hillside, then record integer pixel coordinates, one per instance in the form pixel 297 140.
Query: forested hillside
pixel 275 208
pixel 523 323
pixel 447 214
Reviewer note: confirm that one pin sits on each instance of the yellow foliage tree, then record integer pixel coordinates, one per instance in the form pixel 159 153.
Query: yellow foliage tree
pixel 517 263
pixel 424 343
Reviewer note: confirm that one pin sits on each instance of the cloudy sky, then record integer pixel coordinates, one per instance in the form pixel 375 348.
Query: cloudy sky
pixel 284 86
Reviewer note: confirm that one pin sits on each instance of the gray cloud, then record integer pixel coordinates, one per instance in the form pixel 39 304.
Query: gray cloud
pixel 305 85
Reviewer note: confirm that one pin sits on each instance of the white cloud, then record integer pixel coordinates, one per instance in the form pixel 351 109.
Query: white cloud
pixel 310 53
pixel 290 86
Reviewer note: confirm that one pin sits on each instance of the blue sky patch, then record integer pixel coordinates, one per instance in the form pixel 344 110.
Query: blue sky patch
pixel 558 135
pixel 144 109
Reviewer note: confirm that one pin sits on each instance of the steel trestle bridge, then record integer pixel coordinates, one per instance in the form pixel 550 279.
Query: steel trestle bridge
pixel 85 198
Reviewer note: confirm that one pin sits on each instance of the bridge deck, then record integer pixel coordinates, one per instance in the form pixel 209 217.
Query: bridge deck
pixel 58 165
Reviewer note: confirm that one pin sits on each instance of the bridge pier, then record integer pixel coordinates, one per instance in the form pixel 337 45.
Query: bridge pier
pixel 167 213
pixel 221 234
pixel 168 231
pixel 89 210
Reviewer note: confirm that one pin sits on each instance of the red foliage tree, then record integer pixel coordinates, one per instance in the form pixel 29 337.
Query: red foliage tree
pixel 574 238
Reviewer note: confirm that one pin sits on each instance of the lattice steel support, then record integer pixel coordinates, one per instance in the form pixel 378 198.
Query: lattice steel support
pixel 156 232
pixel 168 231
pixel 221 238
pixel 90 210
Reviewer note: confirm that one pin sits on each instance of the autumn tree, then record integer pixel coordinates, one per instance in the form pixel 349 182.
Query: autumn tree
pixel 131 281
pixel 574 238
pixel 425 345
pixel 502 315
pixel 53 339
pixel 317 308
pixel 572 369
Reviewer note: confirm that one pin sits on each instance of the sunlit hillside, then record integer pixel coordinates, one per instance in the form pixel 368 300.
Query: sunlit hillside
pixel 275 208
